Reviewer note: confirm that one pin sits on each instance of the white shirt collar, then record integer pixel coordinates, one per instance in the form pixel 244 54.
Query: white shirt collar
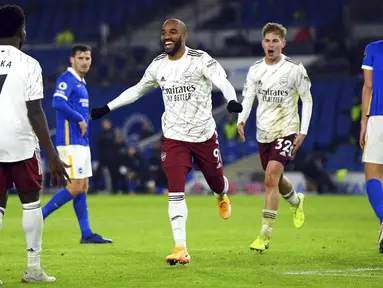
pixel 70 69
pixel 283 56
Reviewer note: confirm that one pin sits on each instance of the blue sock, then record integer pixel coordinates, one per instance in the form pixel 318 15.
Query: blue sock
pixel 81 208
pixel 58 200
pixel 375 196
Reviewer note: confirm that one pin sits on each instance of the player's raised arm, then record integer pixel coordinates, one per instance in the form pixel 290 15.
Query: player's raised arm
pixel 367 66
pixel 303 85
pixel 130 95
pixel 249 93
pixel 213 70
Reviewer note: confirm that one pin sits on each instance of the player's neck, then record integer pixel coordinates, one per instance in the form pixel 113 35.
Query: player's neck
pixel 273 61
pixel 82 75
pixel 10 41
pixel 178 55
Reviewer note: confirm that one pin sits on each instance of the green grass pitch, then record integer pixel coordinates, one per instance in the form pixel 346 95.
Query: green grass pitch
pixel 340 235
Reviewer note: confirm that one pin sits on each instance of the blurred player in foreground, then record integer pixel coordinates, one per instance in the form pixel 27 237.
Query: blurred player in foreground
pixel 277 82
pixel 185 77
pixel 22 125
pixel 71 101
pixel 371 134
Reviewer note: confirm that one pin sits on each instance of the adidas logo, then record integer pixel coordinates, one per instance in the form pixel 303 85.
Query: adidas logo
pixel 163 79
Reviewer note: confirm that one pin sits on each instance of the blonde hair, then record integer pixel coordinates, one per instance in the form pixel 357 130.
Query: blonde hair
pixel 275 28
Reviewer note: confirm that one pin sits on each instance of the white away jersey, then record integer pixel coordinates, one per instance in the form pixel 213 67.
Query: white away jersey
pixel 277 88
pixel 20 81
pixel 186 89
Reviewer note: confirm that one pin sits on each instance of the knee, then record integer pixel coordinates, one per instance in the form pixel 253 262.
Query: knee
pixel 218 184
pixel 76 187
pixel 272 180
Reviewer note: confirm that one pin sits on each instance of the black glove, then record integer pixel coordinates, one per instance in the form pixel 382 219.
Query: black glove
pixel 97 113
pixel 234 106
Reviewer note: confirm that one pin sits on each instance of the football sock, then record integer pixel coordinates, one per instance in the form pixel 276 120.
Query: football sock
pixel 268 222
pixel 292 198
pixel 375 196
pixel 2 212
pixel 178 213
pixel 81 208
pixel 33 228
pixel 225 189
pixel 58 200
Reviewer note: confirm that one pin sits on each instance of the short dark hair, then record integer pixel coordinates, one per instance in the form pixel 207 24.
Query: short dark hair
pixel 274 28
pixel 80 48
pixel 12 20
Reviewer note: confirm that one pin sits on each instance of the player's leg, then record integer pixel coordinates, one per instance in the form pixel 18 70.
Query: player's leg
pixel 373 167
pixel 207 158
pixel 83 170
pixel 295 199
pixel 66 194
pixel 273 172
pixel 281 150
pixel 5 184
pixel 27 176
pixel 80 206
pixel 176 160
pixel 3 205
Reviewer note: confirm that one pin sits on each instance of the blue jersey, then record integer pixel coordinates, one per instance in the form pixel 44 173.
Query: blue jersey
pixel 373 60
pixel 71 101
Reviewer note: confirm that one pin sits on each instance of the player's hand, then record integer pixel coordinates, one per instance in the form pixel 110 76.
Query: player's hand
pixel 362 138
pixel 234 107
pixel 241 131
pixel 97 113
pixel 83 127
pixel 57 168
pixel 298 142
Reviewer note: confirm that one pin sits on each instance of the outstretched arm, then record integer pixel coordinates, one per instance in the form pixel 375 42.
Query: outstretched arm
pixel 228 92
pixel 127 97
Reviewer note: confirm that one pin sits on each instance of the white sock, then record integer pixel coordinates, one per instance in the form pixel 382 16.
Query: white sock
pixel 33 228
pixel 178 213
pixel 2 213
pixel 292 198
pixel 225 189
pixel 268 220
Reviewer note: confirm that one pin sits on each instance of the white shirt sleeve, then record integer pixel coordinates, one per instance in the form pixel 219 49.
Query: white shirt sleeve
pixel 147 82
pixel 249 93
pixel 213 71
pixel 303 85
pixel 35 89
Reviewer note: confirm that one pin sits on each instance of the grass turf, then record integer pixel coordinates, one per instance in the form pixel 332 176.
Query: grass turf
pixel 340 233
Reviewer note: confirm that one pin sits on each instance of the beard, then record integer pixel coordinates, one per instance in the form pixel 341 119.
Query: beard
pixel 177 46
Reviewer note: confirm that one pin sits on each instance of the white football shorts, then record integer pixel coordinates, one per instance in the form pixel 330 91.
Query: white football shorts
pixel 373 147
pixel 79 158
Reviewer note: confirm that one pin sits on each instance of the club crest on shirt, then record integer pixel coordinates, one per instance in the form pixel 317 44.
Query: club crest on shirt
pixel 186 76
pixel 283 81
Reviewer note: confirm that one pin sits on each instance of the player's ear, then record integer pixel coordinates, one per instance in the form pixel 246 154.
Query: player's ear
pixel 71 59
pixel 184 36
pixel 283 43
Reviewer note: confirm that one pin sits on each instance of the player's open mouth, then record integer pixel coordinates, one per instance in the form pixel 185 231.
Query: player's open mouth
pixel 270 52
pixel 168 44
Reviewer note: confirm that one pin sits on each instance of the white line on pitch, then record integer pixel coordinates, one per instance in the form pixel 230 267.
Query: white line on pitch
pixel 328 272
